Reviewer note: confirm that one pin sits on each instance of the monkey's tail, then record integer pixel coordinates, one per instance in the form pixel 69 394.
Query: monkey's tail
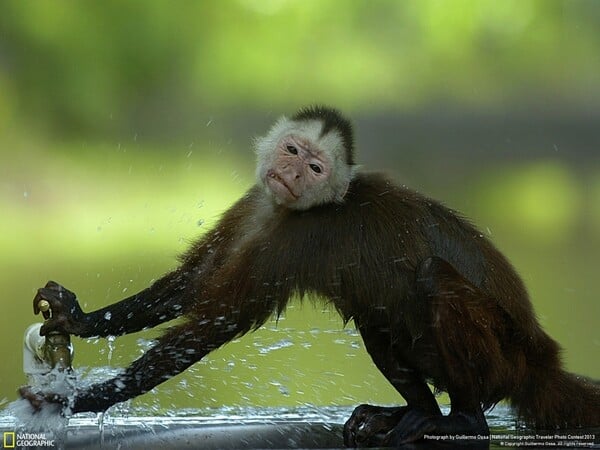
pixel 551 398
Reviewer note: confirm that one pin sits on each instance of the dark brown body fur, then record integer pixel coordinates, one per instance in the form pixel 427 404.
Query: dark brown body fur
pixel 432 297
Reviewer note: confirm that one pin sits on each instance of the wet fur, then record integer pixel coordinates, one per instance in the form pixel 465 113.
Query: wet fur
pixel 490 346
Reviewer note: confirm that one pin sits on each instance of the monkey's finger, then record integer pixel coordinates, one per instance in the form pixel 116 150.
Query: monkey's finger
pixel 356 422
pixel 375 424
pixel 351 432
pixel 51 289
pixel 59 291
pixel 58 323
pixel 412 429
pixel 48 301
pixel 53 285
pixel 35 400
pixel 349 438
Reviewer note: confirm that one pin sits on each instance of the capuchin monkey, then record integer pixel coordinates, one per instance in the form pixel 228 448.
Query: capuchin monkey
pixel 434 301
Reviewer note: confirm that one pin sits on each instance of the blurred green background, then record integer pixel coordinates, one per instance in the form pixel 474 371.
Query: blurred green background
pixel 126 127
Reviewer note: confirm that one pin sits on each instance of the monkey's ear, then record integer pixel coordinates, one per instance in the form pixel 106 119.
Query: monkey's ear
pixel 343 183
pixel 353 172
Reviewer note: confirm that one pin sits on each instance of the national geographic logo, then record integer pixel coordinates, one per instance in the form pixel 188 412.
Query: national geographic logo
pixel 9 439
pixel 26 440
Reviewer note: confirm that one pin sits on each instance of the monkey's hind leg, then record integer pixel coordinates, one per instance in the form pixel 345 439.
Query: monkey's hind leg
pixel 467 329
pixel 369 425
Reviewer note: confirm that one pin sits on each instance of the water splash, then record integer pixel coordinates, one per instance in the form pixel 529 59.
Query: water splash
pixel 284 343
pixel 49 416
pixel 110 342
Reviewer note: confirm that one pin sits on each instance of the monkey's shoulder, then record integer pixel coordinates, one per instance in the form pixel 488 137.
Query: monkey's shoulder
pixel 394 211
pixel 369 185
pixel 378 194
pixel 375 209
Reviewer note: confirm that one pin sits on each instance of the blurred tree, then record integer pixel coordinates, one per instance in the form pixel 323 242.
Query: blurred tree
pixel 104 66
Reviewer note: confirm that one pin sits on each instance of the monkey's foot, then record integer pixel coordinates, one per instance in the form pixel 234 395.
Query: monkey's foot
pixel 372 426
pixel 369 425
pixel 415 425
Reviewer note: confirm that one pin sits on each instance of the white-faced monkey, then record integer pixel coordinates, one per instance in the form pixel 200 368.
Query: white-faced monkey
pixel 432 298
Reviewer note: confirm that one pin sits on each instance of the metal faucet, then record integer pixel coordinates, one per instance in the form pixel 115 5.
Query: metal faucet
pixel 41 354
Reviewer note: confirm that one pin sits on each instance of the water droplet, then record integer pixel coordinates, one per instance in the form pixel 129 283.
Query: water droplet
pixel 276 346
pixel 110 341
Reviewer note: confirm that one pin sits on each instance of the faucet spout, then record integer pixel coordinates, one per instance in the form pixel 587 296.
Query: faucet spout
pixel 58 351
pixel 42 354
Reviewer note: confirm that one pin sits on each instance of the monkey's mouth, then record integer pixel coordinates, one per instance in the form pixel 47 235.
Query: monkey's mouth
pixel 279 187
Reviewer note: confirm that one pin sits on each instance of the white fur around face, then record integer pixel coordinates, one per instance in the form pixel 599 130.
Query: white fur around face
pixel 332 148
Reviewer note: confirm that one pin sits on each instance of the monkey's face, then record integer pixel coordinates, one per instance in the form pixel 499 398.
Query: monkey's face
pixel 298 172
pixel 299 166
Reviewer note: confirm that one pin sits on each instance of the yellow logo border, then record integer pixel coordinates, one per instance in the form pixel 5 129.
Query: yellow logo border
pixel 10 434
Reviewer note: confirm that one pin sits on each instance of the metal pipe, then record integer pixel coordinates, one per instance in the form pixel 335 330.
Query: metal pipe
pixel 43 354
pixel 58 351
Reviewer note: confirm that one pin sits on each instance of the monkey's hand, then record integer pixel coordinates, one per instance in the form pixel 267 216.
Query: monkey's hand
pixel 39 400
pixel 60 308
pixel 369 425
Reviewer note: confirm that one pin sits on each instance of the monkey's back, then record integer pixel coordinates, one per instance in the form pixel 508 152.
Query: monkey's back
pixel 362 254
pixel 365 251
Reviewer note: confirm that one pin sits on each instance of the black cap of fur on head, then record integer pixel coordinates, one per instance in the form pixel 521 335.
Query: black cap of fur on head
pixel 332 120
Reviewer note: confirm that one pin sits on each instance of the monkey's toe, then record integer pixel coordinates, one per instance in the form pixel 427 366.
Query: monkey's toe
pixel 416 425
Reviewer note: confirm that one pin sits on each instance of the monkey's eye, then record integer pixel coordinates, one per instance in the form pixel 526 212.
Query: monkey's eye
pixel 293 150
pixel 315 168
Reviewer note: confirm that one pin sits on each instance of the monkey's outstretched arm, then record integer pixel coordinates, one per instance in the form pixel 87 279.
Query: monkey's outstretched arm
pixel 156 304
pixel 178 349
pixel 168 298
pixel 230 309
